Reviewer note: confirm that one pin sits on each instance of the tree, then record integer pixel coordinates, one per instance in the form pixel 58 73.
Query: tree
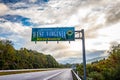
pixel 106 69
pixel 23 58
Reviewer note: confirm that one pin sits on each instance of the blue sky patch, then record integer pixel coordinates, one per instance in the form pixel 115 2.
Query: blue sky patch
pixel 16 8
pixel 25 1
pixel 45 0
pixel 9 1
pixel 18 19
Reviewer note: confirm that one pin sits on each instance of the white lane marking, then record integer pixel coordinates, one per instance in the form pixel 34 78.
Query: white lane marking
pixel 53 75
pixel 28 76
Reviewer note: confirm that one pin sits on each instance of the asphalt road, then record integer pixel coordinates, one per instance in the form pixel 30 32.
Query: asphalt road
pixel 61 74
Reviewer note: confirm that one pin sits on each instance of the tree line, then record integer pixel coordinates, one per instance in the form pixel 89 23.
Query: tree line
pixel 106 69
pixel 10 58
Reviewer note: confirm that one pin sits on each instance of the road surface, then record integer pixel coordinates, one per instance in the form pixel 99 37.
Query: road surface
pixel 61 74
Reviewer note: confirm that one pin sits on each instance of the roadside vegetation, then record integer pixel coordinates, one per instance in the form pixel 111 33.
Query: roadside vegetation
pixel 106 69
pixel 10 58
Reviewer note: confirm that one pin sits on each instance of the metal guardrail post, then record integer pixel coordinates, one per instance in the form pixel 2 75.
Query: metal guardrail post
pixel 78 78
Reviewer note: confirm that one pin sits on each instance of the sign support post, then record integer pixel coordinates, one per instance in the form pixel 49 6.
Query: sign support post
pixel 60 34
pixel 83 49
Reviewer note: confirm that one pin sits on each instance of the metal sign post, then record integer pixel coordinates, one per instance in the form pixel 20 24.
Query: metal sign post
pixel 60 34
pixel 83 48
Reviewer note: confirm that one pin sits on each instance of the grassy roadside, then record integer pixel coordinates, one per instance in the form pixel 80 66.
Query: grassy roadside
pixel 25 71
pixel 18 72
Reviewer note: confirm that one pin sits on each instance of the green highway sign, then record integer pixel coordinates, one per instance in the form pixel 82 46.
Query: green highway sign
pixel 53 34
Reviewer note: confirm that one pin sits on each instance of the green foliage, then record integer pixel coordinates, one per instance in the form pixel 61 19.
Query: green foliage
pixel 106 69
pixel 23 58
pixel 96 76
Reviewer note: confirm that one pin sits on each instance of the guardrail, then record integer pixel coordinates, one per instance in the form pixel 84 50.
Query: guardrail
pixel 78 78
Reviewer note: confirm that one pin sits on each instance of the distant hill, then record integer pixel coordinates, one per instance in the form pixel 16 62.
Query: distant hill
pixel 95 59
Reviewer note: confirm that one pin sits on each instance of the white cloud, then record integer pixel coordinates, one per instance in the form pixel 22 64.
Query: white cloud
pixel 15 32
pixel 13 27
pixel 33 1
pixel 3 9
pixel 91 18
pixel 110 33
pixel 92 15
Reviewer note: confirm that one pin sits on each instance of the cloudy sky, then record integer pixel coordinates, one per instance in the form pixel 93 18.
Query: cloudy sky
pixel 99 18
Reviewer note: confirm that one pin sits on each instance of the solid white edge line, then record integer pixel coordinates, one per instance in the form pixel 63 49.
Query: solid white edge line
pixel 52 76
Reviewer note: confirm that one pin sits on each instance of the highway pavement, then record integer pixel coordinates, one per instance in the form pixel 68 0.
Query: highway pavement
pixel 60 74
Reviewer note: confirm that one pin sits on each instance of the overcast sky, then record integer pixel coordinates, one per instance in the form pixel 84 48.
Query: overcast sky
pixel 99 18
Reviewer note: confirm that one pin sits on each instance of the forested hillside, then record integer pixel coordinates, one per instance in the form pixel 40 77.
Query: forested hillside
pixel 23 58
pixel 107 69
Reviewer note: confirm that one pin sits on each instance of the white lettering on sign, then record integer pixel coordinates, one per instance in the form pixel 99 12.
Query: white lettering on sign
pixel 61 34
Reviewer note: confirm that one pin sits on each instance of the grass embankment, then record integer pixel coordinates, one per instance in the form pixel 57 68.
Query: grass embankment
pixel 18 72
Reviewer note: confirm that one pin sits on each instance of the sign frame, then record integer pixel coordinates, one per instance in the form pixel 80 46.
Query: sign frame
pixel 53 34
